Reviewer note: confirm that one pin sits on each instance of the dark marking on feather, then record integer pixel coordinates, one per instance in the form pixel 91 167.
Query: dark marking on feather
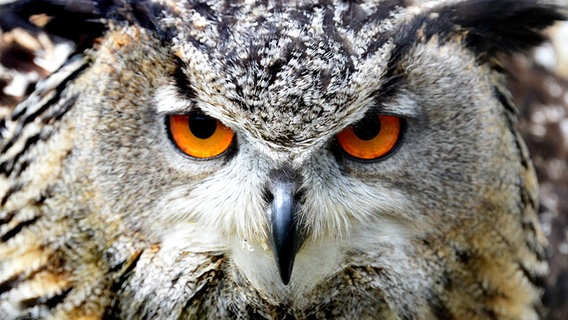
pixel 13 189
pixel 538 280
pixel 117 286
pixel 8 216
pixel 10 283
pixel 19 227
pixel 18 278
pixel 183 85
pixel 57 113
pixel 50 302
pixel 9 165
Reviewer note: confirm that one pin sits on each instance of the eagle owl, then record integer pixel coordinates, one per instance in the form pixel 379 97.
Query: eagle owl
pixel 306 159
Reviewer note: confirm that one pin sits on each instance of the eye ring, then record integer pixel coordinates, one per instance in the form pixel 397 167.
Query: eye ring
pixel 198 135
pixel 372 138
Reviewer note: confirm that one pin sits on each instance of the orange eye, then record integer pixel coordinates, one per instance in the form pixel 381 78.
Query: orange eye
pixel 371 138
pixel 199 135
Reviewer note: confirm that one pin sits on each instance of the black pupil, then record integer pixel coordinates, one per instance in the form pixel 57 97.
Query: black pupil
pixel 202 126
pixel 367 128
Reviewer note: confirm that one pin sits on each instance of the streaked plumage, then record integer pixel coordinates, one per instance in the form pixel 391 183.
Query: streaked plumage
pixel 101 215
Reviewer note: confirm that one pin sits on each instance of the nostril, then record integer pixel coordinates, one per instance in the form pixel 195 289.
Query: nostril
pixel 300 195
pixel 267 196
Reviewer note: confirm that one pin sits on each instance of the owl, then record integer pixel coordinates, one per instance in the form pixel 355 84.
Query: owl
pixel 309 159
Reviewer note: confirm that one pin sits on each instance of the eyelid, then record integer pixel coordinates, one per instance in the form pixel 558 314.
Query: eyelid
pixel 399 105
pixel 168 101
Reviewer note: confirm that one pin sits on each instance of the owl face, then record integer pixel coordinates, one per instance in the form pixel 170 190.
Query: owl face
pixel 294 138
pixel 222 159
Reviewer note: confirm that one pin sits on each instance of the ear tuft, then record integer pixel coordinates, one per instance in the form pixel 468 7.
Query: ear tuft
pixel 507 26
pixel 77 20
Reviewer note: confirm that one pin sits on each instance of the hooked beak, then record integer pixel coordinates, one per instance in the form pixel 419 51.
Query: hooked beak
pixel 286 238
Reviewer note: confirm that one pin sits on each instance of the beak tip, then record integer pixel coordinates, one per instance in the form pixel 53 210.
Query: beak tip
pixel 285 244
pixel 285 269
pixel 285 278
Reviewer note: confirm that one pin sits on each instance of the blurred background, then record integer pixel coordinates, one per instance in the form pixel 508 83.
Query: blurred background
pixel 539 84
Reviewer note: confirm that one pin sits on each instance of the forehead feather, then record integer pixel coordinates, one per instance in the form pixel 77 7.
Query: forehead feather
pixel 282 66
pixel 276 66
